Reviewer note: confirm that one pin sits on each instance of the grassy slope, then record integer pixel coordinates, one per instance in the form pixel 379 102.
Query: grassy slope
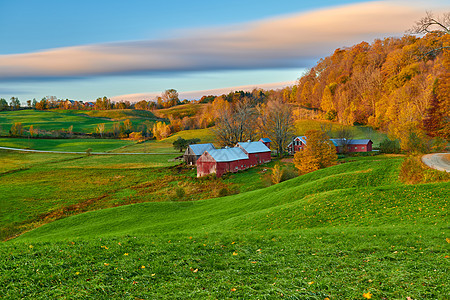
pixel 351 194
pixel 82 121
pixel 37 188
pixel 65 145
pixel 336 233
pixel 166 145
pixel 180 111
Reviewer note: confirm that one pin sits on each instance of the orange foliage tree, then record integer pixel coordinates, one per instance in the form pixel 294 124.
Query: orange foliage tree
pixel 318 153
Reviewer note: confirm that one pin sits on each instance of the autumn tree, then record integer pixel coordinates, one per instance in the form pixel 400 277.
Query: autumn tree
pixel 318 153
pixel 170 98
pixel 276 122
pixel 100 129
pixel 16 129
pixel 235 122
pixel 161 130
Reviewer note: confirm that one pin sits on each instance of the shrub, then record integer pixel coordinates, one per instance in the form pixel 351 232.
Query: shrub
pixel 277 174
pixel 413 171
pixel 136 136
pixel 180 192
pixel 390 146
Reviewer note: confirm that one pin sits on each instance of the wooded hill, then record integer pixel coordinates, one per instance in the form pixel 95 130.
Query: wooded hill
pixel 400 85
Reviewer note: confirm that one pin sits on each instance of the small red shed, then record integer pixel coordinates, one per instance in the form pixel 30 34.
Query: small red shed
pixel 297 144
pixel 257 152
pixel 363 145
pixel 221 161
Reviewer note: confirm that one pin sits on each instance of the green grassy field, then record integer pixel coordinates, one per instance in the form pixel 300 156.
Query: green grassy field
pixel 84 121
pixel 166 145
pixel 37 188
pixel 180 111
pixel 352 231
pixel 65 145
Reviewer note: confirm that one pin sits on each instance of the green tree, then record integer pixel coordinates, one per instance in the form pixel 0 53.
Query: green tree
pixel 15 103
pixel 318 153
pixel 180 144
pixel 3 104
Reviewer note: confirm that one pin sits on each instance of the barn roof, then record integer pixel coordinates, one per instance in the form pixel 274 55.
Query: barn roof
pixel 253 147
pixel 227 154
pixel 265 140
pixel 198 149
pixel 339 142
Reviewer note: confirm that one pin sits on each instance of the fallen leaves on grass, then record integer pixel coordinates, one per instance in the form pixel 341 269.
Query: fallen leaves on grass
pixel 367 295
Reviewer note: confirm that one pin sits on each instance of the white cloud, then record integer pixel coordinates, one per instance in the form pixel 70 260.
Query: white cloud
pixel 190 95
pixel 295 40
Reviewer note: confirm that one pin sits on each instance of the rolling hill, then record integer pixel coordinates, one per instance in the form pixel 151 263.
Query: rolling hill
pixel 349 231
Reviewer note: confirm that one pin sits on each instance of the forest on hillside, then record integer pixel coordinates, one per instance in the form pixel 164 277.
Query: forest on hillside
pixel 399 85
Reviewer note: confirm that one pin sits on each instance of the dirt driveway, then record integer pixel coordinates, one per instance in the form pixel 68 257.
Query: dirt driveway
pixel 438 161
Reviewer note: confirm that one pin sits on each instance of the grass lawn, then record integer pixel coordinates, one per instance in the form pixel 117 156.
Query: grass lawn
pixel 351 231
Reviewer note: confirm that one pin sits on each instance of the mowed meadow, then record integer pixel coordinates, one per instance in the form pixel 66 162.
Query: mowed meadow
pixel 142 226
pixel 352 231
pixel 83 121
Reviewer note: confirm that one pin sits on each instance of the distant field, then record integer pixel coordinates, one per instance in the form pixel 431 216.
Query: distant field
pixel 166 145
pixel 84 121
pixel 180 111
pixel 67 145
pixel 351 231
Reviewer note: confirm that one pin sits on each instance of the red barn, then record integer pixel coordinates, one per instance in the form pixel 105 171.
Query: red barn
pixel 297 144
pixel 353 145
pixel 221 161
pixel 257 152
pixel 266 141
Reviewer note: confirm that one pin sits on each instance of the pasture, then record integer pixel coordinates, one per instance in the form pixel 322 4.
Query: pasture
pixel 351 231
pixel 66 145
pixel 83 121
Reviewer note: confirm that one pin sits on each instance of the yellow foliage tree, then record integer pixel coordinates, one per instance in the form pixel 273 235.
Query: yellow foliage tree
pixel 161 130
pixel 318 153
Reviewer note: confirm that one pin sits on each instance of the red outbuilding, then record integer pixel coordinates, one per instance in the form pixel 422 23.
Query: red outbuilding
pixel 221 161
pixel 266 141
pixel 297 144
pixel 257 152
pixel 364 145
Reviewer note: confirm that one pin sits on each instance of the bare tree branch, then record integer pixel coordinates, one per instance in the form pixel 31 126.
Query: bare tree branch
pixel 430 24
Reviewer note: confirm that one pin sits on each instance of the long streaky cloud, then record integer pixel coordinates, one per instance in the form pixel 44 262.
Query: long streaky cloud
pixel 190 95
pixel 295 40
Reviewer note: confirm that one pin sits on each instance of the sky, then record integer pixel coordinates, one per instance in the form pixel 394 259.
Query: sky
pixel 135 49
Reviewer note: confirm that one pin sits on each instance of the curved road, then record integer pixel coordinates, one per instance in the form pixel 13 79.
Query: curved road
pixel 438 161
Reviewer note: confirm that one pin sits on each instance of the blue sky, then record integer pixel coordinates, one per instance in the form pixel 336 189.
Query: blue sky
pixel 87 49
